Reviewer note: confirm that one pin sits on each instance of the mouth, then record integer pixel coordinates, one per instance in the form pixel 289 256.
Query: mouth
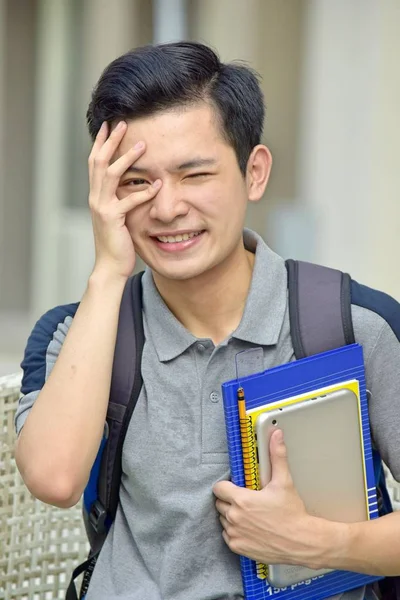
pixel 179 241
pixel 182 237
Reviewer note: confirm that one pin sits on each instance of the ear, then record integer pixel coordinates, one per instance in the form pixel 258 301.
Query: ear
pixel 257 172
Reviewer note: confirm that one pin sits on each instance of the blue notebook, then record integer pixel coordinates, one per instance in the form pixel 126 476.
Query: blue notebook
pixel 273 385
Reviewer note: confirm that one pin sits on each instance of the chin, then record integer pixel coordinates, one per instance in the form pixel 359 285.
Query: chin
pixel 178 275
pixel 180 272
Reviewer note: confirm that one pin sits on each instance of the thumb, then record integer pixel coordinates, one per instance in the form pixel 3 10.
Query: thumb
pixel 279 463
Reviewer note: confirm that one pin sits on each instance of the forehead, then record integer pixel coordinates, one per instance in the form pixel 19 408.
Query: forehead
pixel 175 133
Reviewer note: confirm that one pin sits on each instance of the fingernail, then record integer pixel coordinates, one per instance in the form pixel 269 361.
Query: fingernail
pixel 138 146
pixel 279 436
pixel 120 125
pixel 156 183
pixel 104 127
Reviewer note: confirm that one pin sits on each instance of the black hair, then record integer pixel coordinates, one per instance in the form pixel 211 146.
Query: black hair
pixel 151 79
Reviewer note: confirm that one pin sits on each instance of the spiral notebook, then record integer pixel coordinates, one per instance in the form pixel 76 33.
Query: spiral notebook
pixel 301 378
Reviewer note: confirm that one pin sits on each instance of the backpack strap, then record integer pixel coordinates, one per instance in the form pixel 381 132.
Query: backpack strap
pixel 102 493
pixel 319 308
pixel 101 496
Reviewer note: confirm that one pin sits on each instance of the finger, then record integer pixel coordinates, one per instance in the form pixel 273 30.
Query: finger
pixel 137 198
pixel 225 490
pixel 226 537
pixel 100 161
pixel 279 462
pixel 222 507
pixel 101 137
pixel 225 523
pixel 114 172
pixel 112 142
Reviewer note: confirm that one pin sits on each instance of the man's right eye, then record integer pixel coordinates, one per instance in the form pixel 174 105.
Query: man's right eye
pixel 136 182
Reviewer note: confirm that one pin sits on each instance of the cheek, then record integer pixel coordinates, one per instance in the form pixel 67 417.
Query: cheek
pixel 122 192
pixel 209 199
pixel 134 222
pixel 228 200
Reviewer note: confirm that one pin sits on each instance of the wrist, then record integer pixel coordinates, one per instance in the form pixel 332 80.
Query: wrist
pixel 104 280
pixel 331 543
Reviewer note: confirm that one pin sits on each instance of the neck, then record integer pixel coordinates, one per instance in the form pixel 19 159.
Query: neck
pixel 211 305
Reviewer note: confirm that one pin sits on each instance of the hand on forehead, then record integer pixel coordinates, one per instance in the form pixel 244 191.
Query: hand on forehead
pixel 174 137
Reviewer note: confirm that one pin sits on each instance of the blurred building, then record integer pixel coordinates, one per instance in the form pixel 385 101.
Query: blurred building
pixel 332 87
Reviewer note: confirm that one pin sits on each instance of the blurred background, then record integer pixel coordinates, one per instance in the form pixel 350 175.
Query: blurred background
pixel 331 79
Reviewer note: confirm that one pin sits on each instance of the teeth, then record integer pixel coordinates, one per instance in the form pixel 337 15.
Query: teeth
pixel 177 238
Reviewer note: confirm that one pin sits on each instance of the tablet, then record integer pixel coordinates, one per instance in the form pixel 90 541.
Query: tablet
pixel 325 455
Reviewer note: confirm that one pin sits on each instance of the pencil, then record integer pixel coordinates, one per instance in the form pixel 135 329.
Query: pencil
pixel 248 452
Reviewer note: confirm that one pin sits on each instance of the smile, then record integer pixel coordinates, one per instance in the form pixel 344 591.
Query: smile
pixel 170 239
pixel 179 243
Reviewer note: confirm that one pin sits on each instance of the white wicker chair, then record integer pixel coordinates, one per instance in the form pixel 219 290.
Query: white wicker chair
pixel 40 545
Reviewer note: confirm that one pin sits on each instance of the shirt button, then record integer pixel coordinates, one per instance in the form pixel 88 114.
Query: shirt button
pixel 201 347
pixel 214 397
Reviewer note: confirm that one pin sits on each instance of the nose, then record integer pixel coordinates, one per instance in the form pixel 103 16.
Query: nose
pixel 168 204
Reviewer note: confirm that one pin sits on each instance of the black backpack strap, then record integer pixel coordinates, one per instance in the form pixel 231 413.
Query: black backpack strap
pixel 86 568
pixel 319 308
pixel 126 383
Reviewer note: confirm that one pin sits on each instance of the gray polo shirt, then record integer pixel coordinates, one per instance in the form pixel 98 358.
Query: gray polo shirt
pixel 166 542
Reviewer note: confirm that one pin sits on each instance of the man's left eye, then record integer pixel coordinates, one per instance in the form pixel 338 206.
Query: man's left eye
pixel 199 175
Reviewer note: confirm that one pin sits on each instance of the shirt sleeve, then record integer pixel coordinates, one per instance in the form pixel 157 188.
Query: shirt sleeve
pixel 383 382
pixel 376 321
pixel 41 352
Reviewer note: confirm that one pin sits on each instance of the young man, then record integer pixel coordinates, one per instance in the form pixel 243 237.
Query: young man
pixel 175 161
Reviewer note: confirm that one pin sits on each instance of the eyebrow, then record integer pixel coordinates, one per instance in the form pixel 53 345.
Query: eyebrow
pixel 190 164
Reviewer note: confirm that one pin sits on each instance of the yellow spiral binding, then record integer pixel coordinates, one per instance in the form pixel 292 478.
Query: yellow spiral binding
pixel 249 454
pixel 250 466
pixel 262 571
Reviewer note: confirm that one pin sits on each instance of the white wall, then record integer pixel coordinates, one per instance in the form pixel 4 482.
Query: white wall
pixel 63 247
pixel 350 124
pixel 16 118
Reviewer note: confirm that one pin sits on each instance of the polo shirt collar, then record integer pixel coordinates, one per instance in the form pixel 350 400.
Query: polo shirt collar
pixel 262 318
pixel 266 302
pixel 170 338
